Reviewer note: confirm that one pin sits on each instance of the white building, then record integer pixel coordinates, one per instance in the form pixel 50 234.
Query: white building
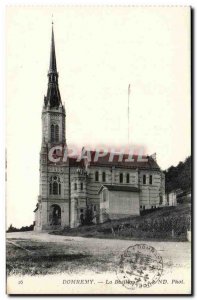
pixel 110 189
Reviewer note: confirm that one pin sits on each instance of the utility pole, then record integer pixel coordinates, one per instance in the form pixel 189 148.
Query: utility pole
pixel 129 90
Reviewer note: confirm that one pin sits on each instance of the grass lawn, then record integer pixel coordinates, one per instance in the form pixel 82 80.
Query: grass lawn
pixel 41 258
pixel 168 223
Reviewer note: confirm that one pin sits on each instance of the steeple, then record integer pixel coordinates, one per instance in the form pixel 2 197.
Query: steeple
pixel 52 65
pixel 53 98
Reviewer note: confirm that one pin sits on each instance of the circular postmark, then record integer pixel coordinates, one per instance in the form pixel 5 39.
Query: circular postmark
pixel 140 266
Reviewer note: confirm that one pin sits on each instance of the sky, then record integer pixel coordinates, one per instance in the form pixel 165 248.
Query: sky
pixel 99 51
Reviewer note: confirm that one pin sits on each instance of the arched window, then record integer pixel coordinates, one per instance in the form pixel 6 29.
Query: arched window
pixel 96 176
pixel 56 133
pixel 52 133
pixel 55 186
pixel 121 178
pixel 128 178
pixel 103 177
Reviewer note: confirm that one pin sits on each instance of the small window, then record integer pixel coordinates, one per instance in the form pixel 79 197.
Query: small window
pixel 150 179
pixel 144 179
pixel 94 207
pixel 81 210
pixel 104 195
pixel 96 176
pixel 81 186
pixel 121 178
pixel 103 177
pixel 128 178
pixel 75 186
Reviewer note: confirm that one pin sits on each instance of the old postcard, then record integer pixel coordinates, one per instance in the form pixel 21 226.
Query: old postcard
pixel 98 151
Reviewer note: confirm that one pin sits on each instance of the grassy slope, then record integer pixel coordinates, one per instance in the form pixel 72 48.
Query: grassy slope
pixel 166 224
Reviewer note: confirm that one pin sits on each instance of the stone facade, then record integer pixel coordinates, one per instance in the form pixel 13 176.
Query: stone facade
pixel 70 189
pixel 80 189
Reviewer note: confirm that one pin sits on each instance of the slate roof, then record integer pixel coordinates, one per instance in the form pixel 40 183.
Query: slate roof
pixel 73 162
pixel 147 163
pixel 53 96
pixel 122 188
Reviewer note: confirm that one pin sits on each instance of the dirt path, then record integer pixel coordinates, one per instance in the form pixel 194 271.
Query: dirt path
pixel 78 256
pixel 173 253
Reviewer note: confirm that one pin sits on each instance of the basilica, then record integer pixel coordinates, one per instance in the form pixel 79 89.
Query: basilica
pixel 105 188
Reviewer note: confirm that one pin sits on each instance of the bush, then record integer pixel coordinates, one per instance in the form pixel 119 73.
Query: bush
pixel 23 228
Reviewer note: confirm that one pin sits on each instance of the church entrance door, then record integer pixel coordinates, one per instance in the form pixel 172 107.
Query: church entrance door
pixel 55 215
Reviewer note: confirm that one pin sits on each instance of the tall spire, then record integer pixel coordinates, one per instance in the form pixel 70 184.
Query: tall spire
pixel 52 65
pixel 53 98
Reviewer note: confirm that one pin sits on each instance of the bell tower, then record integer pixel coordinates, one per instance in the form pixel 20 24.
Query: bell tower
pixel 53 112
pixel 53 202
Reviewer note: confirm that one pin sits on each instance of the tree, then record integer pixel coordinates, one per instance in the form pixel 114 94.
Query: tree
pixel 23 228
pixel 179 177
pixel 12 229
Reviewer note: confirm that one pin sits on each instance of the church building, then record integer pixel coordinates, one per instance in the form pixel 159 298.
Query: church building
pixel 102 189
